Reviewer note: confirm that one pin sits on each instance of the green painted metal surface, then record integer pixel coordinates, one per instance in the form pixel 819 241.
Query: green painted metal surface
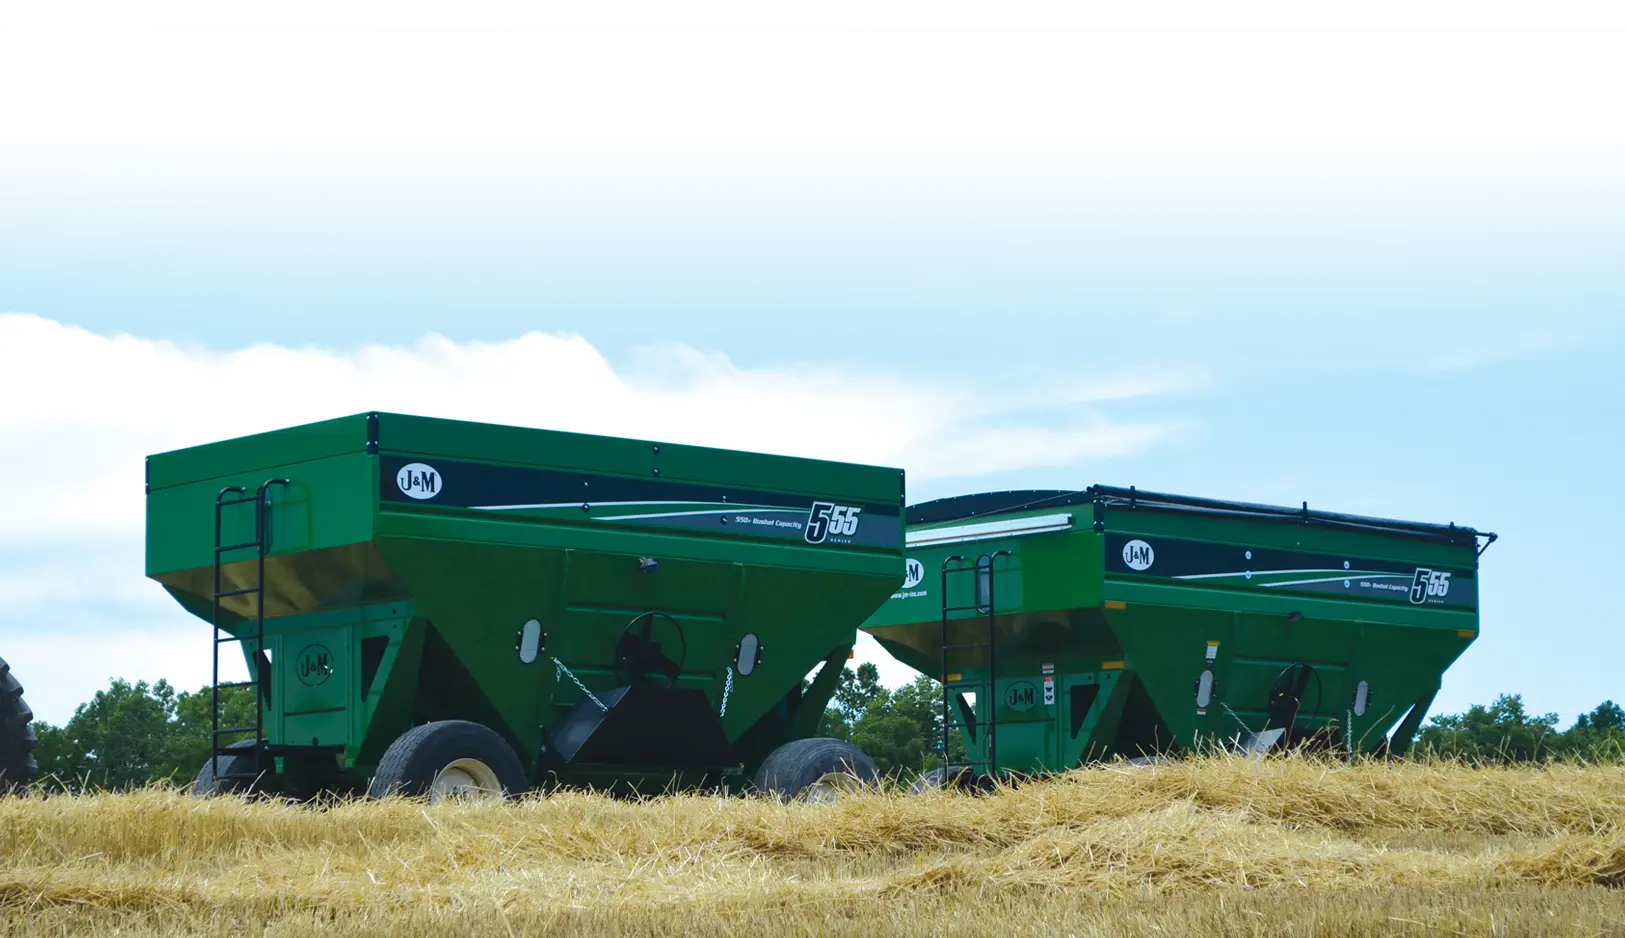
pixel 1110 606
pixel 406 555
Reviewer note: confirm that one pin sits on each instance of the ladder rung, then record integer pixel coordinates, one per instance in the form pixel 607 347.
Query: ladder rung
pixel 244 546
pixel 975 608
pixel 967 645
pixel 257 750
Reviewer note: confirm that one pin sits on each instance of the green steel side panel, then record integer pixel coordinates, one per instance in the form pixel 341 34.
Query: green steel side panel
pixel 1167 650
pixel 1404 736
pixel 1041 572
pixel 385 711
pixel 479 595
pixel 1041 588
pixel 803 722
pixel 1092 707
pixel 330 502
pixel 253 455
pixel 423 436
pixel 323 692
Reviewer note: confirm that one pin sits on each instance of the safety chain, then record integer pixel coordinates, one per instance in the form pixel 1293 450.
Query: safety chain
pixel 727 689
pixel 1239 720
pixel 560 669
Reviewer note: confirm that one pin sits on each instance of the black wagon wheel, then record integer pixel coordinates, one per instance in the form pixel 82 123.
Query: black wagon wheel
pixel 228 773
pixel 638 654
pixel 449 759
pixel 815 769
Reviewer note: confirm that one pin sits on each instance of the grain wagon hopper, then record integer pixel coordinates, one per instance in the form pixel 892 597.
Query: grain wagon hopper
pixel 1112 622
pixel 433 606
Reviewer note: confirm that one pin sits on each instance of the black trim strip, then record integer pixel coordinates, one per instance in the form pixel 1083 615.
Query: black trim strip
pixel 1204 563
pixel 985 504
pixel 444 483
pixel 492 486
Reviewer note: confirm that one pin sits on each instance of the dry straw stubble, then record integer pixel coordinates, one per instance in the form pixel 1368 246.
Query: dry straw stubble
pixel 1220 846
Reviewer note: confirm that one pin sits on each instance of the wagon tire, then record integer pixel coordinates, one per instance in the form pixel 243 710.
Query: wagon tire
pixel 815 770
pixel 207 785
pixel 964 780
pixel 18 767
pixel 446 759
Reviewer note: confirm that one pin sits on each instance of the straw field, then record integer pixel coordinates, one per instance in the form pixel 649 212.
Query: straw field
pixel 1208 847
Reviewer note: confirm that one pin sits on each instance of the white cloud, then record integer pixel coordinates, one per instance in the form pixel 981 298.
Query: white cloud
pixel 1474 354
pixel 60 671
pixel 84 410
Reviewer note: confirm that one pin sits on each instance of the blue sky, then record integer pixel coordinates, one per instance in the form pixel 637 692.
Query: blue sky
pixel 1374 265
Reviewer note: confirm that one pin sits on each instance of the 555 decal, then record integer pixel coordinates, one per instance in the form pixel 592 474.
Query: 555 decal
pixel 828 519
pixel 1429 583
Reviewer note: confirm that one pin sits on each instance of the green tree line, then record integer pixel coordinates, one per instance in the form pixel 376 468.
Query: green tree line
pixel 131 734
pixel 899 728
pixel 1506 732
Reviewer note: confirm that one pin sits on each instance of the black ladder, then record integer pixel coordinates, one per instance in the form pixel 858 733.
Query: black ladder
pixel 230 496
pixel 982 604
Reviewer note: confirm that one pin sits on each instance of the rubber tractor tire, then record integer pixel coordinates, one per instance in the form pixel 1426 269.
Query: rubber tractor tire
pixel 18 767
pixel 449 759
pixel 964 780
pixel 207 785
pixel 815 769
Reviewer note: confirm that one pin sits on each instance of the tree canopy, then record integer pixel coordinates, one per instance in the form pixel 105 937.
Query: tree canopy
pixel 1506 732
pixel 131 734
pixel 900 729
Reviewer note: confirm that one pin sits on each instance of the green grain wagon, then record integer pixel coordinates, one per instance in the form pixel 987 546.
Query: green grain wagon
pixel 438 606
pixel 1071 625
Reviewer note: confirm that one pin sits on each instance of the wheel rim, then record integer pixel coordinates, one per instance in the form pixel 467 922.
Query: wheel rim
pixel 830 787
pixel 465 779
